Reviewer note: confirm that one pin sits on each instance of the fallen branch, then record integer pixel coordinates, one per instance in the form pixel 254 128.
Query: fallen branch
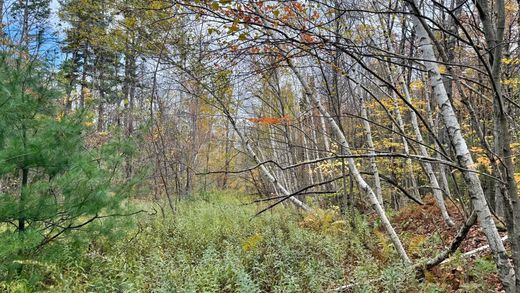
pixel 444 256
pixel 477 250
pixel 457 241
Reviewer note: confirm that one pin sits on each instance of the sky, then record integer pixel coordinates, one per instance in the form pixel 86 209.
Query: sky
pixel 55 6
pixel 53 19
pixel 51 45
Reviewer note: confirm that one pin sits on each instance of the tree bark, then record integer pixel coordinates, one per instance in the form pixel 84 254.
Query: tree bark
pixel 436 189
pixel 371 150
pixel 463 155
pixel 362 184
pixel 246 143
pixel 406 146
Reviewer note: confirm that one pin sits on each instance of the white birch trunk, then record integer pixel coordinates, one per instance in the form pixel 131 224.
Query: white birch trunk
pixel 321 178
pixel 436 189
pixel 352 166
pixel 400 123
pixel 362 184
pixel 263 167
pixel 464 158
pixel 442 169
pixel 281 174
pixel 371 150
pixel 325 135
pixel 306 155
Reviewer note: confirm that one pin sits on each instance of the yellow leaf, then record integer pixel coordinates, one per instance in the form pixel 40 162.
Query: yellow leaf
pixel 59 116
pixel 251 242
pixel 233 28
pixel 511 7
pixel 416 85
pixel 242 37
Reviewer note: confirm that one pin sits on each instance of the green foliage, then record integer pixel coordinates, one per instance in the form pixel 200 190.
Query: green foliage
pixel 212 244
pixel 477 275
pixel 203 250
pixel 398 278
pixel 52 183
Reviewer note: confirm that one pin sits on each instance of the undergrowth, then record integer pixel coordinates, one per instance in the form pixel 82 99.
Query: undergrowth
pixel 214 244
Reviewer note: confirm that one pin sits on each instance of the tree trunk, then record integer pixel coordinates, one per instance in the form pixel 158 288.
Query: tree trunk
pixel 227 159
pixel 101 120
pixel 316 144
pixel 371 149
pixel 463 155
pixel 436 189
pixel 362 184
pixel 25 24
pixel 306 156
pixel 265 170
pixel 508 192
pixel 1 17
pixel 83 86
pixel 21 218
pixel 406 146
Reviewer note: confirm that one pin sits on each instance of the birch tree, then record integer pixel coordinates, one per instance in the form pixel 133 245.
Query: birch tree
pixel 463 154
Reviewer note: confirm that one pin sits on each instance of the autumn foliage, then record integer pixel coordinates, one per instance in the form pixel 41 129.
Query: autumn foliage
pixel 270 120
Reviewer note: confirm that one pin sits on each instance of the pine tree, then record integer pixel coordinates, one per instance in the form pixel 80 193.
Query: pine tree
pixel 51 181
pixel 94 58
pixel 31 17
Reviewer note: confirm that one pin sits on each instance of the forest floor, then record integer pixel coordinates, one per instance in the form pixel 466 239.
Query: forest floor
pixel 213 243
pixel 425 221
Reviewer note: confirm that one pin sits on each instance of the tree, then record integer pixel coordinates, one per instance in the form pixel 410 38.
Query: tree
pixel 465 159
pixel 93 56
pixel 57 183
pixel 31 17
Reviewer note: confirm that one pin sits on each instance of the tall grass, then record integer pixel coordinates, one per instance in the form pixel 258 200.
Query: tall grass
pixel 214 244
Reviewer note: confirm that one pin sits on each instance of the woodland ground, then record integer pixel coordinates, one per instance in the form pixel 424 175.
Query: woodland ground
pixel 212 243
